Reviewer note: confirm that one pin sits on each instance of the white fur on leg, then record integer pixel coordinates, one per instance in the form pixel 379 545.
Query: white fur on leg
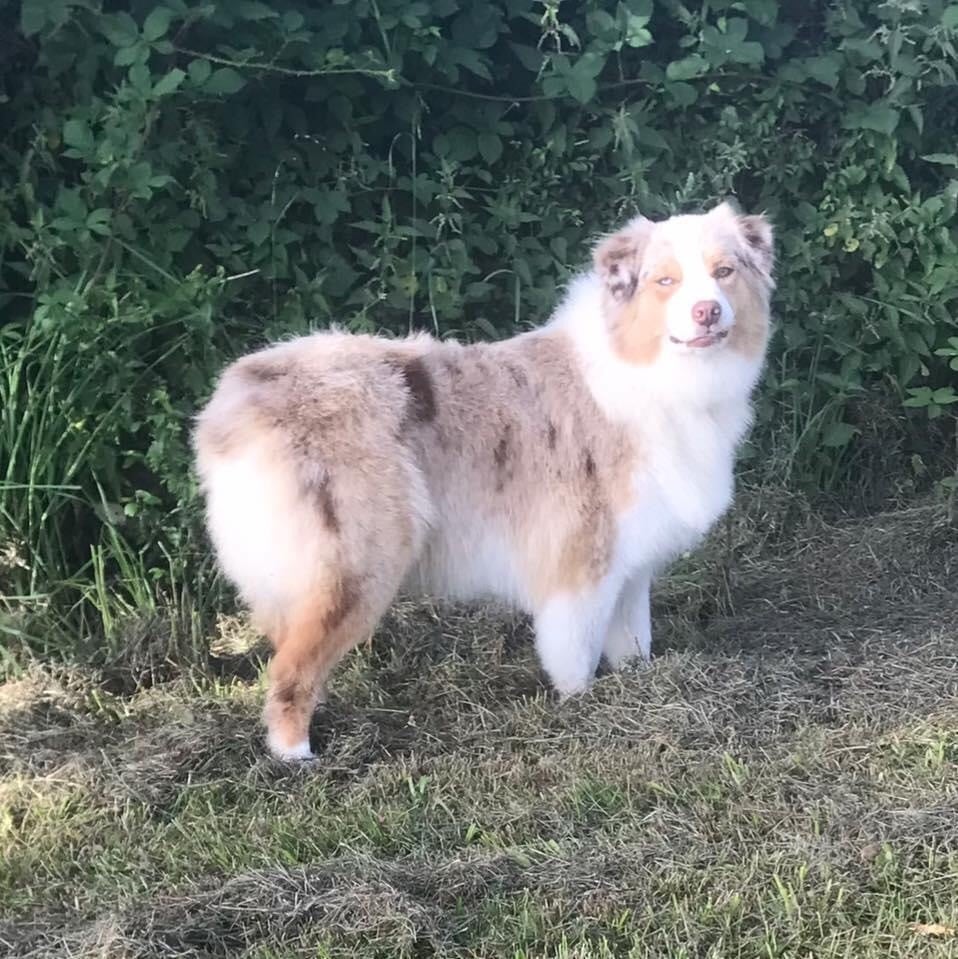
pixel 569 634
pixel 298 752
pixel 630 634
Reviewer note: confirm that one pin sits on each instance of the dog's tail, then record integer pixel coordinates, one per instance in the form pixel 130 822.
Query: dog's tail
pixel 268 532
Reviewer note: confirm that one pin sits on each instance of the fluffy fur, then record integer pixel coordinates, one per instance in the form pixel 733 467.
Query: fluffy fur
pixel 558 470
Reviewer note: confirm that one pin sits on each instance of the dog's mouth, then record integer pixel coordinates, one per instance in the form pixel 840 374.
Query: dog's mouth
pixel 705 340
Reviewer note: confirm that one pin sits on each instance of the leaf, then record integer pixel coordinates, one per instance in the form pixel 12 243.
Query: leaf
pixel 737 30
pixel 99 221
pixel 917 116
pixel 636 31
pixel 590 64
pixel 462 144
pixel 329 205
pixel 553 85
pixel 684 94
pixel 946 159
pixel 225 80
pixel 254 10
pixel 258 232
pixel 568 31
pixel 139 75
pixel 33 16
pixel 874 116
pixel 949 17
pixel 126 56
pixel 824 69
pixel 119 28
pixel 909 366
pixel 748 52
pixel 920 397
pixel 580 79
pixel 169 83
pixel 477 28
pixel 77 134
pixel 688 68
pixel 838 434
pixel 474 63
pixel 600 22
pixel 490 147
pixel 199 71
pixel 944 396
pixel 157 23
pixel 581 86
pixel 530 57
pixel 292 20
pixel 70 203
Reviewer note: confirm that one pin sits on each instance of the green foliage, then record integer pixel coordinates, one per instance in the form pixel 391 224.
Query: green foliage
pixel 181 182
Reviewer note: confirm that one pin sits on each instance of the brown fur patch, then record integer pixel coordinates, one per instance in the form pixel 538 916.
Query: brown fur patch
pixel 584 556
pixel 454 370
pixel 759 236
pixel 327 505
pixel 345 601
pixel 502 455
pixel 262 368
pixel 640 326
pixel 588 465
pixel 501 452
pixel 749 336
pixel 422 395
pixel 286 692
pixel 518 375
pixel 618 259
pixel 746 289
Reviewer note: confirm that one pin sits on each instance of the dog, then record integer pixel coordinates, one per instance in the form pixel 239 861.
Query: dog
pixel 558 470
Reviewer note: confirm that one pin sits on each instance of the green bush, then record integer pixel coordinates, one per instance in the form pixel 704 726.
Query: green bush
pixel 182 182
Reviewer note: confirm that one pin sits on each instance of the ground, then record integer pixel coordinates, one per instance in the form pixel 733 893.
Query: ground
pixel 780 782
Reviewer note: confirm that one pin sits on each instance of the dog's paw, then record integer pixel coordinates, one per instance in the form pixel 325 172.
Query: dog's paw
pixel 300 752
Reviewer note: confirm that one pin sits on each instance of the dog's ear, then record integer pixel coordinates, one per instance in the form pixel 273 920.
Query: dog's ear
pixel 760 237
pixel 618 258
pixel 756 229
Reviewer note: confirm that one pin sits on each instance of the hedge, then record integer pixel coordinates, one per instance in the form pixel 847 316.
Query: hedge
pixel 181 182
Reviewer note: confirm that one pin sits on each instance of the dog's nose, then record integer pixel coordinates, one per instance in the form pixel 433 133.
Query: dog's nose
pixel 707 312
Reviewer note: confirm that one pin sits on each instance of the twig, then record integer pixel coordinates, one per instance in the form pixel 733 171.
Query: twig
pixel 389 74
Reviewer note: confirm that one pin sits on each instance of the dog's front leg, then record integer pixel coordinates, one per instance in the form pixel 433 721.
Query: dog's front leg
pixel 629 637
pixel 570 631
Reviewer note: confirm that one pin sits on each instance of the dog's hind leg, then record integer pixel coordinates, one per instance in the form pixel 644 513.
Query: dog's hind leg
pixel 311 641
pixel 305 639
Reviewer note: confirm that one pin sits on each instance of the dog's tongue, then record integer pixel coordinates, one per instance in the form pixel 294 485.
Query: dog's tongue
pixel 706 339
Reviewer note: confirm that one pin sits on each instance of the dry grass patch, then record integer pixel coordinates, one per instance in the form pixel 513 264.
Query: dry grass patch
pixel 780 782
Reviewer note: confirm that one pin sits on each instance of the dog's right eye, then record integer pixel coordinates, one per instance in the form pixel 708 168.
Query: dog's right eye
pixel 665 281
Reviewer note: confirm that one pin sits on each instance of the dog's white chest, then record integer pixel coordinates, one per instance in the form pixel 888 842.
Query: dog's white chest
pixel 682 485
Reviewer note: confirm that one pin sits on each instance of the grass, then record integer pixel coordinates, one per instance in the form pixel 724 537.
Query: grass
pixel 780 782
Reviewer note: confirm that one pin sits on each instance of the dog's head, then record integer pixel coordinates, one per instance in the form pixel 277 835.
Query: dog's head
pixel 695 286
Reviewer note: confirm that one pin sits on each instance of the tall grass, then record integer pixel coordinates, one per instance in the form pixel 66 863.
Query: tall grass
pixel 73 557
pixel 42 456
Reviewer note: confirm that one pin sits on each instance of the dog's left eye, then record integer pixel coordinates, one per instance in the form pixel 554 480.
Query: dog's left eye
pixel 665 281
pixel 722 272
